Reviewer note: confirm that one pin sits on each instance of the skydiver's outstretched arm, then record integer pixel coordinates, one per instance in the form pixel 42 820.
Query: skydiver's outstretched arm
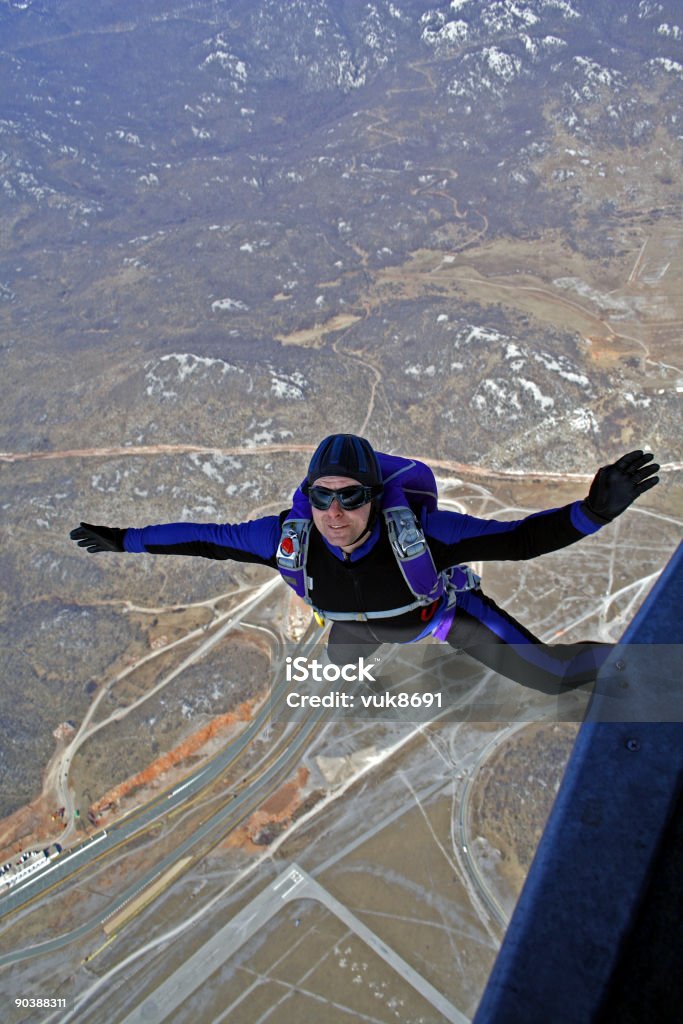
pixel 254 541
pixel 463 538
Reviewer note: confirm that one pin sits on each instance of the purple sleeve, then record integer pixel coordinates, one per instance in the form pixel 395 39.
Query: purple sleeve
pixel 256 540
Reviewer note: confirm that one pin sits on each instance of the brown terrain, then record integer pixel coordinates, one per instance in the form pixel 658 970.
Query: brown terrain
pixel 158 772
pixel 514 792
pixel 37 822
pixel 272 817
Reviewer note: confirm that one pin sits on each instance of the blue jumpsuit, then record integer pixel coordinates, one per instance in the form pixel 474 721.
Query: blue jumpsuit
pixel 370 579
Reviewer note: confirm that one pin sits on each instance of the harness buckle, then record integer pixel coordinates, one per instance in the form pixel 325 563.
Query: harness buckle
pixel 289 549
pixel 408 537
pixel 460 578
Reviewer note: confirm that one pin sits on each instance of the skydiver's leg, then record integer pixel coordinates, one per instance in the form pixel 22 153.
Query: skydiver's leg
pixel 348 642
pixel 492 636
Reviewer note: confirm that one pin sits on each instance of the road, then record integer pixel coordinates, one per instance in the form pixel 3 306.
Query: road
pixel 289 751
pixel 219 627
pixel 449 465
pixel 469 768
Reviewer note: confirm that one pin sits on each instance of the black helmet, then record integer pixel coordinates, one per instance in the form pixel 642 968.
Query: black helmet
pixel 346 455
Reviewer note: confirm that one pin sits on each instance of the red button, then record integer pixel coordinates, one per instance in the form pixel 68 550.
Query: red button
pixel 287 546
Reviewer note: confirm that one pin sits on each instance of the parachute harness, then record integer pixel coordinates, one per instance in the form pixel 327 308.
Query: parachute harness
pixel 412 554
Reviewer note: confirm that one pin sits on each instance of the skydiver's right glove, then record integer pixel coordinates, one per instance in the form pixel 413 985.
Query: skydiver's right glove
pixel 98 538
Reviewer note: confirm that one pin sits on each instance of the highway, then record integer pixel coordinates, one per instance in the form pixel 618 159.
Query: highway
pixel 463 846
pixel 223 623
pixel 288 753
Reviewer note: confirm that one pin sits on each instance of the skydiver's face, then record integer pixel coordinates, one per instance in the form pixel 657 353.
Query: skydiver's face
pixel 341 527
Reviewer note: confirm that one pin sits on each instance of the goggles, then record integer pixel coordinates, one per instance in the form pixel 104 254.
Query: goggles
pixel 350 498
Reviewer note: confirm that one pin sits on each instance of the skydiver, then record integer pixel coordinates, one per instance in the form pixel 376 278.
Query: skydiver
pixel 385 575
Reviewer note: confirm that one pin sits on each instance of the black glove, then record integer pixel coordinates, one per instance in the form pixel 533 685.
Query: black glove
pixel 615 487
pixel 98 538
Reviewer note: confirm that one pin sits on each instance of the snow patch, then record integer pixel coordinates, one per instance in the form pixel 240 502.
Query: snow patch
pixel 221 305
pixel 562 366
pixel 513 351
pixel 420 371
pixel 582 421
pixel 290 386
pixel 187 364
pixel 595 73
pixel 264 433
pixel 639 403
pixel 671 31
pixel 446 35
pixel 480 334
pixel 545 401
pixel 561 5
pixel 502 64
pixel 177 367
pixel 496 397
pixel 672 66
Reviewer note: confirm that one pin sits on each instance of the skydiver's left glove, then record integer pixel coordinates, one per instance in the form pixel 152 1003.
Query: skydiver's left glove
pixel 615 487
pixel 98 538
